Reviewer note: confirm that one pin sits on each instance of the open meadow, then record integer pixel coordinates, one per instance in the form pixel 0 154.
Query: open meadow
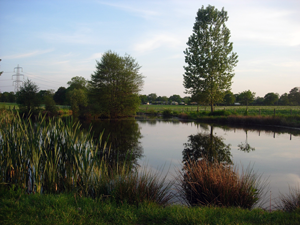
pixel 238 110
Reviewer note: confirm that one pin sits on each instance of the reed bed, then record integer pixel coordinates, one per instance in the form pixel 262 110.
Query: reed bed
pixel 205 183
pixel 290 202
pixel 53 156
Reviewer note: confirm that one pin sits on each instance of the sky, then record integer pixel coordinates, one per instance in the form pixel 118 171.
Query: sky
pixel 55 40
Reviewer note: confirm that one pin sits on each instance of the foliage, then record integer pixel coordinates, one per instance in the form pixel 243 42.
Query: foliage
pixel 43 93
pixel 229 98
pixel 284 99
pixel 60 96
pixel 27 97
pixel 115 85
pixel 175 98
pixel 209 57
pixel 167 113
pixel 7 97
pixel 246 97
pixel 79 101
pixel 50 105
pixel 143 99
pixel 217 184
pixel 294 96
pixel 271 98
pixel 77 83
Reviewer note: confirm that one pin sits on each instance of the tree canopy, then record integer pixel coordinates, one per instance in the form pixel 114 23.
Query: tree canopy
pixel 209 57
pixel 28 98
pixel 246 97
pixel 115 85
pixel 271 98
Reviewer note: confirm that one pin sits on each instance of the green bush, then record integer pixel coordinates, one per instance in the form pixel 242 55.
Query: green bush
pixel 219 113
pixel 167 113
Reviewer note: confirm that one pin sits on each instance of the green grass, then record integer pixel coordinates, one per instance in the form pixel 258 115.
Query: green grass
pixel 16 208
pixel 238 110
pixel 255 115
pixel 7 105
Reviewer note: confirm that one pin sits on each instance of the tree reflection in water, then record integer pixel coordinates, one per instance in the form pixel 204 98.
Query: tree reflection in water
pixel 245 147
pixel 209 146
pixel 123 138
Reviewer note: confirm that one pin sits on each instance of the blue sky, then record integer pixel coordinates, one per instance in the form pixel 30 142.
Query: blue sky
pixel 56 40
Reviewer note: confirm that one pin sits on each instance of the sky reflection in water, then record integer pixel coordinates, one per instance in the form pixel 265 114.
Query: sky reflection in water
pixel 275 155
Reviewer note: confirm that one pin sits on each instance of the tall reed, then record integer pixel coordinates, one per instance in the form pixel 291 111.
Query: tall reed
pixel 55 156
pixel 49 156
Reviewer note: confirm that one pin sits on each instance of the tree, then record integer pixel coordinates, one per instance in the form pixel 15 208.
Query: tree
pixel 115 85
pixel 78 83
pixel 271 98
pixel 229 98
pixel 175 98
pixel 284 99
pixel 50 105
pixel 60 96
pixel 144 99
pixel 246 97
pixel 209 57
pixel 28 98
pixel 78 100
pixel 258 101
pixel 186 99
pixel 294 96
pixel 152 97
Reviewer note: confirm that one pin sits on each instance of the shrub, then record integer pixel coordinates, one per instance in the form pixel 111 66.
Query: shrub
pixel 152 112
pixel 217 184
pixel 167 113
pixel 291 202
pixel 219 113
pixel 137 187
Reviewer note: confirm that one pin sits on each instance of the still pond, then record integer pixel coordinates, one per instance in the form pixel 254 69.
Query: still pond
pixel 164 144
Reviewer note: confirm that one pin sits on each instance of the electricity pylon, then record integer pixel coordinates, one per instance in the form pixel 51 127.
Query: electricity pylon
pixel 17 82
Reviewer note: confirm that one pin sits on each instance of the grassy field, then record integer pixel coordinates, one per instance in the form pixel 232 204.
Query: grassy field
pixel 16 208
pixel 239 110
pixel 6 105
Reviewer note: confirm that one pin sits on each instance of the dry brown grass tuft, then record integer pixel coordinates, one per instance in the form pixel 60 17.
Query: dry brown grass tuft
pixel 218 184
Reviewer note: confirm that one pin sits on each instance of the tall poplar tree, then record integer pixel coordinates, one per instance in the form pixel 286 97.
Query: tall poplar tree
pixel 209 57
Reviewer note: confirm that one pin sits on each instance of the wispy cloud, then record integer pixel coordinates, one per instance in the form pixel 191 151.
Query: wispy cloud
pixel 96 55
pixel 139 11
pixel 267 26
pixel 28 54
pixel 157 42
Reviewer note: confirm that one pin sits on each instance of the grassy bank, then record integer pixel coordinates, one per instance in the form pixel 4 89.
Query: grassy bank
pixel 237 110
pixel 16 208
pixel 255 115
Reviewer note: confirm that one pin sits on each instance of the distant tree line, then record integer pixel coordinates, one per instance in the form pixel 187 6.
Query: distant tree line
pixel 76 96
pixel 111 92
pixel 243 98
